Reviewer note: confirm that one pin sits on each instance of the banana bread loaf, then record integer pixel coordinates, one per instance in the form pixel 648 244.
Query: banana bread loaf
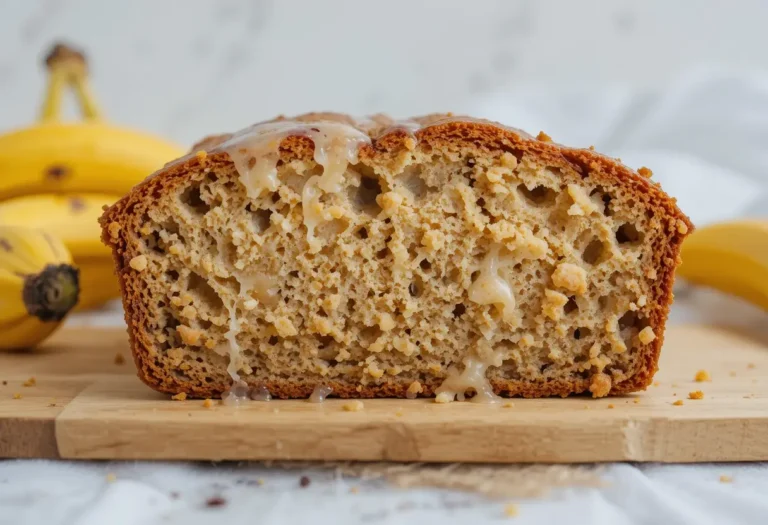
pixel 377 258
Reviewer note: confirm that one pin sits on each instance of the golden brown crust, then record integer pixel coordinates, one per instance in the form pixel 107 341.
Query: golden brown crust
pixel 389 138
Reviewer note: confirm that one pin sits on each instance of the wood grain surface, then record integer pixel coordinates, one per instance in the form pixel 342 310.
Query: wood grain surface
pixel 84 405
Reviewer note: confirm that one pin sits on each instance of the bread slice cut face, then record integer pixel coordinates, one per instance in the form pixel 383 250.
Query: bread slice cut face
pixel 438 256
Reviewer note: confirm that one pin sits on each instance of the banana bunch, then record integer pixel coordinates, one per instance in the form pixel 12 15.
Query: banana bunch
pixel 731 257
pixel 57 176
pixel 38 286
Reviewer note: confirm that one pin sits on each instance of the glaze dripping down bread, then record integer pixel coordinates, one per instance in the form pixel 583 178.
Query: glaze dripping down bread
pixel 439 256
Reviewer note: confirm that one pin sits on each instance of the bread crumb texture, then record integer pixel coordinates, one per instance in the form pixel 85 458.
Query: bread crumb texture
pixel 326 251
pixel 701 376
pixel 139 263
pixel 353 406
pixel 696 394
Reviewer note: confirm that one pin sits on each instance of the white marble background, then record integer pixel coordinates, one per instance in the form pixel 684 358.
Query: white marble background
pixel 185 68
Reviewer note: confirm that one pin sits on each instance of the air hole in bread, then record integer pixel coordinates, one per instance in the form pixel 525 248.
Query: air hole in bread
pixel 171 322
pixel 172 275
pixel 365 196
pixel 459 310
pixel 383 253
pixel 539 195
pixel 369 334
pixel 425 265
pixel 628 320
pixel 416 288
pixel 412 180
pixel 605 197
pixel 628 234
pixel 200 287
pixel 154 242
pixel 571 306
pixel 362 232
pixel 581 332
pixel 595 252
pixel 260 220
pixel 273 340
pixel 193 200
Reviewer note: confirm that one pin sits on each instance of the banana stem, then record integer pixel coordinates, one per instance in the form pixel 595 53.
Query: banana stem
pixel 88 106
pixel 57 80
pixel 67 69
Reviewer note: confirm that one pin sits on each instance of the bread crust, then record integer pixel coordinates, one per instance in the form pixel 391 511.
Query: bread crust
pixel 389 138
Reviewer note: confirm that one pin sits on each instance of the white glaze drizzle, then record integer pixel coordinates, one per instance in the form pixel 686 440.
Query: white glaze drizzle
pixel 320 393
pixel 471 377
pixel 491 288
pixel 255 153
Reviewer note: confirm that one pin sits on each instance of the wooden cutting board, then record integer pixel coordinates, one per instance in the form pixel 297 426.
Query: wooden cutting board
pixel 86 406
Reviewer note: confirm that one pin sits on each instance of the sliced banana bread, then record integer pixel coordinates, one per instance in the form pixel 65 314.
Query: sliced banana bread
pixel 436 256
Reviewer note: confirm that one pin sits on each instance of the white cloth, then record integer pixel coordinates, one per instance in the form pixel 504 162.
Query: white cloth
pixel 705 139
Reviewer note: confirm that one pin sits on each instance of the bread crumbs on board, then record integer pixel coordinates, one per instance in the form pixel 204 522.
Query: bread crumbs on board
pixel 17 396
pixel 181 396
pixel 30 382
pixel 678 403
pixel 701 376
pixel 696 394
pixel 353 406
pixel 208 403
pixel 725 479
pixel 119 359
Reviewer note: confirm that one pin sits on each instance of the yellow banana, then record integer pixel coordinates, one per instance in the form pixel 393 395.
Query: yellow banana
pixel 38 286
pixel 74 158
pixel 71 218
pixel 90 156
pixel 731 257
pixel 98 282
